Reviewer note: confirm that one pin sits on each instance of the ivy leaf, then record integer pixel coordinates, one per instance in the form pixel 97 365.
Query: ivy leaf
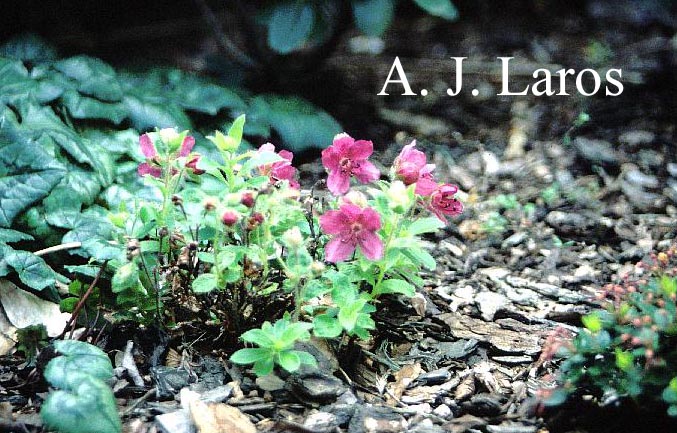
pixel 300 124
pixel 289 26
pixel 27 173
pixel 150 114
pixel 28 48
pixel 83 107
pixel 373 17
pixel 89 406
pixel 440 8
pixel 102 250
pixel 33 271
pixel 9 236
pixel 193 94
pixel 94 77
pixel 77 356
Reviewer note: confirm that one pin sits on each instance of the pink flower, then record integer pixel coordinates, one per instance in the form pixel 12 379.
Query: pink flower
pixel 152 165
pixel 443 203
pixel 280 170
pixel 410 167
pixel 347 157
pixel 352 227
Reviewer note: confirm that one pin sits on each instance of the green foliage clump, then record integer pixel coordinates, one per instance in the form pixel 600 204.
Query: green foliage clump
pixel 82 402
pixel 68 143
pixel 626 350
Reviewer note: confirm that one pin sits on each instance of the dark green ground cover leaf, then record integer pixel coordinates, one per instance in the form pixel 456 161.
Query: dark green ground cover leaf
pixel 373 17
pixel 289 26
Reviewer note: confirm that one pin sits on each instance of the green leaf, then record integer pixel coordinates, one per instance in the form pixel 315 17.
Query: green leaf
pixel 9 236
pixel 204 283
pixel 150 114
pixel 125 277
pixel 236 129
pixel 624 360
pixel 325 326
pixel 196 95
pixel 87 407
pixel 77 356
pixel 258 337
pixel 27 173
pixel 294 332
pixel 32 270
pixel 395 285
pixel 425 225
pixel 306 358
pixel 420 257
pixel 264 366
pixel 94 77
pixel 592 322
pixel 668 285
pixel 102 250
pixel 373 17
pixel 251 355
pixel 289 360
pixel 28 48
pixel 298 122
pixel 440 8
pixel 289 26
pixel 83 107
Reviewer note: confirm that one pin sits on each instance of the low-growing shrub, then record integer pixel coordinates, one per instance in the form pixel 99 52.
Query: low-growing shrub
pixel 629 348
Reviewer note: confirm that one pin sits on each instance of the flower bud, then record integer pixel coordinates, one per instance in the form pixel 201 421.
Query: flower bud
pixel 177 200
pixel 209 204
pixel 247 199
pixel 229 218
pixel 398 197
pixel 356 198
pixel 317 267
pixel 293 238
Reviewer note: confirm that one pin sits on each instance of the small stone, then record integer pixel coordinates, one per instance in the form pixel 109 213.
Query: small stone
pixel 421 408
pixel 316 386
pixel 170 380
pixel 637 138
pixel 513 360
pixel 377 419
pixel 642 180
pixel 270 382
pixel 175 422
pixel 511 427
pixel 217 395
pixel 426 426
pixel 598 152
pixel 672 169
pixel 443 411
pixel 489 303
pixel 321 421
pixel 434 377
pixel 514 240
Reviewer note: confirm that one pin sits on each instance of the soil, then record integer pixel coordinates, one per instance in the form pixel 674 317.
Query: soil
pixel 464 355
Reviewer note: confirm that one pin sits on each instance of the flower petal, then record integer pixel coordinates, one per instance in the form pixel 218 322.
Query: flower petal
pixel 371 245
pixel 366 172
pixel 425 186
pixel 145 168
pixel 360 150
pixel 147 146
pixel 330 159
pixel 186 146
pixel 334 222
pixel 338 182
pixel 286 155
pixel 370 219
pixel 338 250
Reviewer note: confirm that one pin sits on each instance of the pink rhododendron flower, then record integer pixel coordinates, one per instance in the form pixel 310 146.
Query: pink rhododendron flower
pixel 443 203
pixel 347 157
pixel 152 165
pixel 280 170
pixel 410 167
pixel 352 227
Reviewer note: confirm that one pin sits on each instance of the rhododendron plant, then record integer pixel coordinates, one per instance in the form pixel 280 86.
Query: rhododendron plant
pixel 347 157
pixel 231 238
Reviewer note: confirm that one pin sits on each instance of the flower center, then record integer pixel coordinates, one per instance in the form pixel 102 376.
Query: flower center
pixel 347 165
